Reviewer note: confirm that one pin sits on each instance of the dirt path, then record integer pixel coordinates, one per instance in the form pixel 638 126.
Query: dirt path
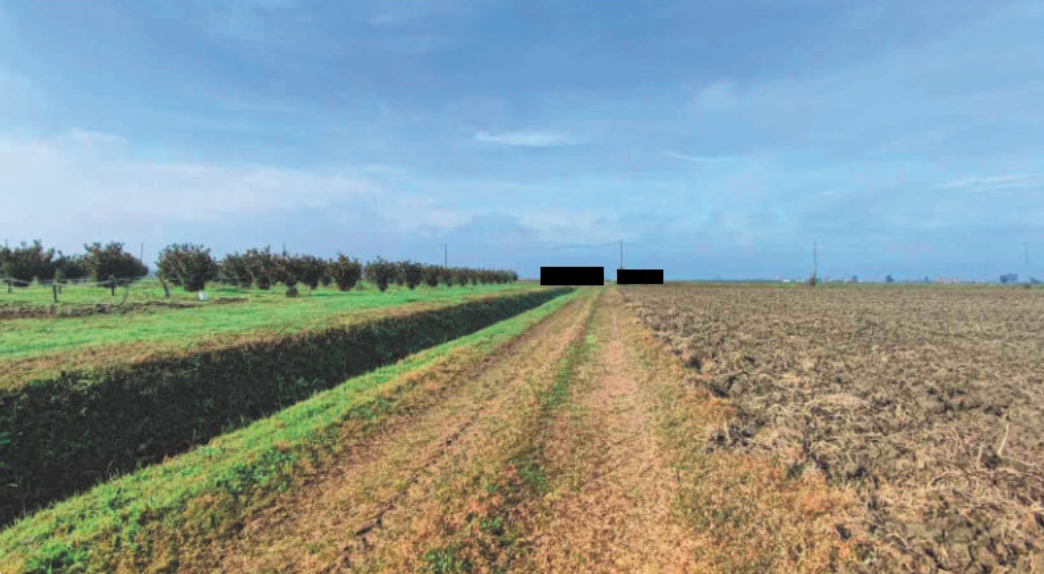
pixel 609 509
pixel 361 510
pixel 580 447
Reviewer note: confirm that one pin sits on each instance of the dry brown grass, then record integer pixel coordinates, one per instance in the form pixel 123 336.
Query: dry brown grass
pixel 611 490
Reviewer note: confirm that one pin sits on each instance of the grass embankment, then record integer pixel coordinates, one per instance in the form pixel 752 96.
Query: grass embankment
pixel 65 433
pixel 140 522
pixel 48 344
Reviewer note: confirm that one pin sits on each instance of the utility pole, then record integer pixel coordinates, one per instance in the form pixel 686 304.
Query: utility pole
pixel 141 255
pixel 621 254
pixel 815 259
pixel 445 254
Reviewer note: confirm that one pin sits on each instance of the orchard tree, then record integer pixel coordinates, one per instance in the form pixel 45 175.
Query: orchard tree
pixel 432 273
pixel 288 272
pixel 235 269
pixel 412 273
pixel 344 271
pixel 70 268
pixel 310 270
pixel 187 265
pixel 111 260
pixel 381 273
pixel 261 267
pixel 29 261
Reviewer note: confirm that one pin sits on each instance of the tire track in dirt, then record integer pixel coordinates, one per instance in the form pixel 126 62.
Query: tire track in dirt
pixel 455 518
pixel 323 524
pixel 610 505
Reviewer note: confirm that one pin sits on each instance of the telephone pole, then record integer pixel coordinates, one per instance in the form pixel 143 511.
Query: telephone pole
pixel 445 254
pixel 815 259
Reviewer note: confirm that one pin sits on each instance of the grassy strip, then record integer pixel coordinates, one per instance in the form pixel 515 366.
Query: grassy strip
pixel 66 433
pixel 171 329
pixel 140 521
pixel 492 494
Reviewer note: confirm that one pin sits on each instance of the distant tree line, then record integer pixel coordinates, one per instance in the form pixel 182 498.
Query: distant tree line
pixel 192 266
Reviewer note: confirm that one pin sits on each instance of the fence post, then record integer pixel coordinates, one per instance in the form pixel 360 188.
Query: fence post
pixel 54 291
pixel 112 284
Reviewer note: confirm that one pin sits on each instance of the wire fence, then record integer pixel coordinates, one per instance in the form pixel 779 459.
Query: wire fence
pixel 58 286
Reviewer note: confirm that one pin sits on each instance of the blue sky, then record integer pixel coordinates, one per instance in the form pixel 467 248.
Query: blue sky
pixel 715 138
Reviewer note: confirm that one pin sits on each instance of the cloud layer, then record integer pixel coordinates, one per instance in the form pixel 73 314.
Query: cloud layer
pixel 720 139
pixel 527 138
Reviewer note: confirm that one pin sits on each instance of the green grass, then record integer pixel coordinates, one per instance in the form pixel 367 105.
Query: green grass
pixel 161 328
pixel 218 483
pixel 146 291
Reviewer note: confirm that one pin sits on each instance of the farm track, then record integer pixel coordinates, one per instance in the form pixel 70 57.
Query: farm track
pixel 610 503
pixel 571 450
pixel 361 507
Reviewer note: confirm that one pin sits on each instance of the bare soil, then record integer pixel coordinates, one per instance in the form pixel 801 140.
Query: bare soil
pixel 927 403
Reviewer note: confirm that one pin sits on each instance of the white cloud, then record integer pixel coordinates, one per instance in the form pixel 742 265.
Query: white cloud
pixel 992 183
pixel 700 158
pixel 83 179
pixel 718 97
pixel 528 138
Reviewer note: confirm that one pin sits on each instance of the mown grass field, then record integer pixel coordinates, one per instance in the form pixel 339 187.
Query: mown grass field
pixel 55 343
pixel 677 428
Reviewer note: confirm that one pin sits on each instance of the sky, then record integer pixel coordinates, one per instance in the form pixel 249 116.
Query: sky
pixel 714 138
